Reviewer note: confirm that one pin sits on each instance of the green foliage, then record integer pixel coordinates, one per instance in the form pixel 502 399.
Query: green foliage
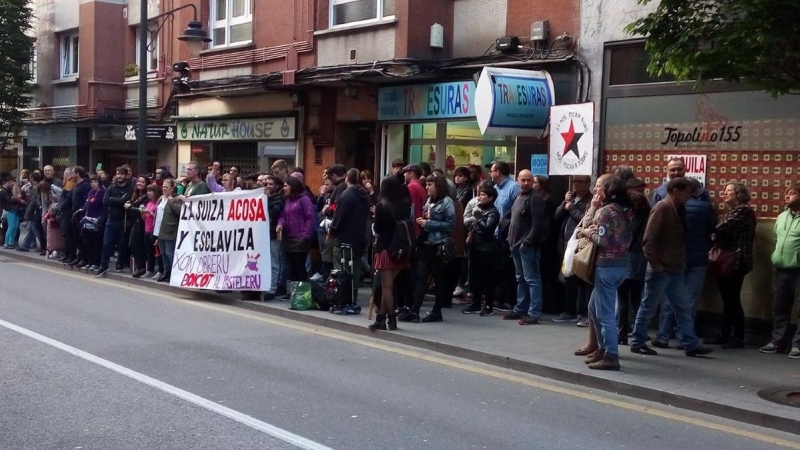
pixel 753 41
pixel 15 54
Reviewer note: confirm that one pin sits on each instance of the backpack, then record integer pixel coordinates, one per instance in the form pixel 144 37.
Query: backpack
pixel 403 246
pixel 339 289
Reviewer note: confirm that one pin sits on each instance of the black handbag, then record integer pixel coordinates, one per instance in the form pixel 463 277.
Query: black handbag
pixel 445 251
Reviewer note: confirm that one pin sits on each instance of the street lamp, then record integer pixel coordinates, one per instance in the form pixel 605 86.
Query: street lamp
pixel 194 35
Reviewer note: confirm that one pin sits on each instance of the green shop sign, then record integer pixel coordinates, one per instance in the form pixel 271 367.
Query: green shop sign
pixel 265 129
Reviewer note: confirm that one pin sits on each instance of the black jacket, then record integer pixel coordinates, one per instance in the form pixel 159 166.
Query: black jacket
pixel 115 199
pixel 80 194
pixel 486 220
pixel 9 203
pixel 529 222
pixel 570 218
pixel 350 218
pixel 275 208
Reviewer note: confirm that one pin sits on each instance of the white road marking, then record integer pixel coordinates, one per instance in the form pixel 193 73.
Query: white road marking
pixel 252 422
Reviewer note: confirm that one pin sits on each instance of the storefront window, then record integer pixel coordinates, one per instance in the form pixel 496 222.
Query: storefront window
pixel 462 144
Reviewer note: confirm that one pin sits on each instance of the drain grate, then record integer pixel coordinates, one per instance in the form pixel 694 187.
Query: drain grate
pixel 783 395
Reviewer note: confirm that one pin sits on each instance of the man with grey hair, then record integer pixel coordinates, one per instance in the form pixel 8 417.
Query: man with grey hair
pixel 196 184
pixel 676 168
pixel 50 175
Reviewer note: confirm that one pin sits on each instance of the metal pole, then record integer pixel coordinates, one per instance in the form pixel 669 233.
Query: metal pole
pixel 141 134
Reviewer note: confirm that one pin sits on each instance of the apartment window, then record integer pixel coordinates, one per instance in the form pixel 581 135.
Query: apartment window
pixel 231 22
pixel 352 11
pixel 629 65
pixel 33 65
pixel 69 55
pixel 152 50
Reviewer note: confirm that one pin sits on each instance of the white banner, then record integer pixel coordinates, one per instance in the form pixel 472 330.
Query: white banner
pixel 572 139
pixel 695 166
pixel 223 242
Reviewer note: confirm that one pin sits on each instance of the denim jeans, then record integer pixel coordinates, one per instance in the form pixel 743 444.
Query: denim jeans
pixel 695 280
pixel 280 269
pixel 12 218
pixel 35 231
pixel 167 249
pixel 111 239
pixel 671 285
pixel 529 281
pixel 602 305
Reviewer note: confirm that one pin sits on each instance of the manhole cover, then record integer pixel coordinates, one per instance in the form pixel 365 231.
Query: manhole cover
pixel 784 395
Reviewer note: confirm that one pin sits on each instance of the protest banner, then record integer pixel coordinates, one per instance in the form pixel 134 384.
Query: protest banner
pixel 223 242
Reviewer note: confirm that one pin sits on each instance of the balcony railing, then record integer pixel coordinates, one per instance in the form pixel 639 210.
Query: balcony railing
pixel 74 113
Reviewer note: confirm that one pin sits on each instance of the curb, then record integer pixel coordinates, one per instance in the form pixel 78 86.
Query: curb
pixel 616 387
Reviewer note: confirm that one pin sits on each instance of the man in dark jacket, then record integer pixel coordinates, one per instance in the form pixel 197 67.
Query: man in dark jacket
pixel 664 246
pixel 274 190
pixel 33 215
pixel 347 227
pixel 79 194
pixel 116 195
pixel 569 214
pixel 702 221
pixel 529 226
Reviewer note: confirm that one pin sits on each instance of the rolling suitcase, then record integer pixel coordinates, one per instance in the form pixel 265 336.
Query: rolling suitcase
pixel 340 287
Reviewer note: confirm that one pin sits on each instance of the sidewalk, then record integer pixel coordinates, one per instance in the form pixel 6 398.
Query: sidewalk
pixel 723 384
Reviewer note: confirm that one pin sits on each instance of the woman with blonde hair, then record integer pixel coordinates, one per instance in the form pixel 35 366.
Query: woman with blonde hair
pixel 736 234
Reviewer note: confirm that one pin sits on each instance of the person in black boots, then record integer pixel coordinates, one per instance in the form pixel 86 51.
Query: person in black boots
pixel 137 243
pixel 79 195
pixel 117 194
pixel 483 251
pixel 435 250
pixel 394 206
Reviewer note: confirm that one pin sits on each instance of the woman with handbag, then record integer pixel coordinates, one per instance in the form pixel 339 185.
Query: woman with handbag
pixel 611 235
pixel 435 249
pixel 394 206
pixel 295 227
pixel 731 259
pixel 93 225
pixel 581 271
pixel 483 251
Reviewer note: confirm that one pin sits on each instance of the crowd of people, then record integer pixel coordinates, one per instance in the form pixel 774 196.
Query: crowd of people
pixel 496 243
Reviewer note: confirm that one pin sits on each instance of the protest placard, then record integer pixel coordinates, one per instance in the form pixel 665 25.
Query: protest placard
pixel 223 242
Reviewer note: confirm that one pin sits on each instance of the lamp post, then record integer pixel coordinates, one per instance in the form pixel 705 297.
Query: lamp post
pixel 194 35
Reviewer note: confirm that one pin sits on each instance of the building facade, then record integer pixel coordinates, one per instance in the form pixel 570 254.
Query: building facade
pixel 724 132
pixel 85 91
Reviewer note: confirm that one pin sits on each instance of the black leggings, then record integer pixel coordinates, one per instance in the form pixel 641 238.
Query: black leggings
pixel 730 289
pixel 481 276
pixel 428 264
pixel 297 265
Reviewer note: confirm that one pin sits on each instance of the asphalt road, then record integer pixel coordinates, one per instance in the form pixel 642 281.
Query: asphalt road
pixel 94 364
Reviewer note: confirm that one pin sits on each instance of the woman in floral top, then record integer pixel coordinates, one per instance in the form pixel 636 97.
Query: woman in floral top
pixel 736 233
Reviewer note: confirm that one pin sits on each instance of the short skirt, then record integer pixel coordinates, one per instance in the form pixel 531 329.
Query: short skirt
pixel 384 262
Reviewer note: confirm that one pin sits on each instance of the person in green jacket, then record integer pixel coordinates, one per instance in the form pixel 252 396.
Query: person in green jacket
pixel 786 280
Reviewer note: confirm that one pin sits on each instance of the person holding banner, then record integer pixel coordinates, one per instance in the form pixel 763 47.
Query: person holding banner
pixel 165 228
pixel 295 226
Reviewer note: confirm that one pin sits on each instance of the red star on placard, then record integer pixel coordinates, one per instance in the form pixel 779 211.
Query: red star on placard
pixel 571 139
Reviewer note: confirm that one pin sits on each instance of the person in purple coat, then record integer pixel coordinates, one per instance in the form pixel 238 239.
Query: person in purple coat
pixel 92 225
pixel 295 227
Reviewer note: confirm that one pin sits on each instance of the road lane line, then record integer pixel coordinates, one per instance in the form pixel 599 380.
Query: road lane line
pixel 252 422
pixel 473 368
